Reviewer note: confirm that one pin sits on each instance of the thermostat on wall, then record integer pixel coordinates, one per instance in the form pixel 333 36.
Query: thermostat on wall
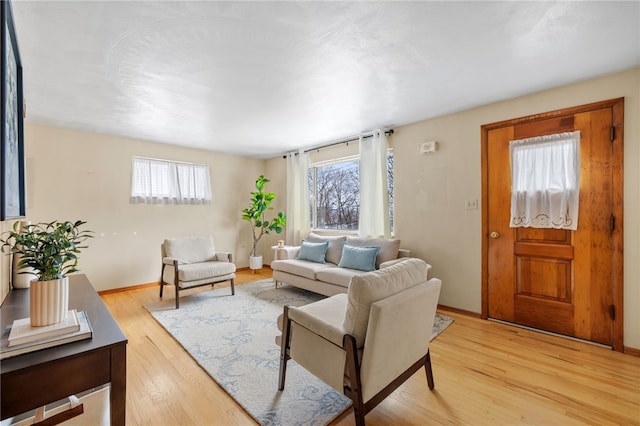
pixel 427 147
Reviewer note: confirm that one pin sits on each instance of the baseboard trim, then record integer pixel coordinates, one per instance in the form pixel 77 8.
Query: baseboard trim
pixel 246 268
pixel 157 283
pixel 127 288
pixel 631 351
pixel 459 311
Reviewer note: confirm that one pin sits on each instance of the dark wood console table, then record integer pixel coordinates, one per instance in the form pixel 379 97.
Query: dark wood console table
pixel 38 378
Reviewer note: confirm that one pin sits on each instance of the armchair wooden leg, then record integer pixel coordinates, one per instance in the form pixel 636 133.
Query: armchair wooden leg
pixel 427 367
pixel 176 280
pixel 161 280
pixel 233 289
pixel 354 391
pixel 284 347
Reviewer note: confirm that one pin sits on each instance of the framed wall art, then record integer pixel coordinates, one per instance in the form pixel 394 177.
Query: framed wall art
pixel 12 176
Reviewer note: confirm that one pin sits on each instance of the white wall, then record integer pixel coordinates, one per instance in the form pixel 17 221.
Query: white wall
pixel 77 175
pixel 430 190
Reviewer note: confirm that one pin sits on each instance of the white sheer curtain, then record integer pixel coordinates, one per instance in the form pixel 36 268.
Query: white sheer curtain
pixel 298 222
pixel 157 181
pixel 374 196
pixel 545 181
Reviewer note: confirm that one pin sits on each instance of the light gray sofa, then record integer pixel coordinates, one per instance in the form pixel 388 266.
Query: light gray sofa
pixel 329 278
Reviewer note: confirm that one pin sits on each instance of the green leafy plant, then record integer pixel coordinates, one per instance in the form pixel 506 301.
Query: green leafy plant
pixel 256 214
pixel 50 249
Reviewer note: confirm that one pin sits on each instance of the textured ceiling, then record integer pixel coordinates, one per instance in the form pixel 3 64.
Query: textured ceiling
pixel 262 78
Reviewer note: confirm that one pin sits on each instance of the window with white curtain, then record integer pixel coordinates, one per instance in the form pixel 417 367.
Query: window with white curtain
pixel 334 193
pixel 157 181
pixel 545 181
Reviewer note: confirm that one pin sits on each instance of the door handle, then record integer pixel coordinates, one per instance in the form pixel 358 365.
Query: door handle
pixel 494 235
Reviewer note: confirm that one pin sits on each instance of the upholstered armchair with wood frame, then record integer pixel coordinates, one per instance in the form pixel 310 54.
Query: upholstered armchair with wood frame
pixel 367 342
pixel 192 262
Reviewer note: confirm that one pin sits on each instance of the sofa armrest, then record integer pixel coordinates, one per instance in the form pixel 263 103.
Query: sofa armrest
pixel 223 256
pixel 402 255
pixel 392 262
pixel 285 253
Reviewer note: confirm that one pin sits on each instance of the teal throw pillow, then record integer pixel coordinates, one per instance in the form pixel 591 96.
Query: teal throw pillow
pixel 313 252
pixel 361 258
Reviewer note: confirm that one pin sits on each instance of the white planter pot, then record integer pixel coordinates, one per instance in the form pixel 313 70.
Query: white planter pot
pixel 255 262
pixel 49 301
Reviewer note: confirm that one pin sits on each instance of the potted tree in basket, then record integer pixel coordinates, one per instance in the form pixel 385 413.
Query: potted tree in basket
pixel 256 215
pixel 49 251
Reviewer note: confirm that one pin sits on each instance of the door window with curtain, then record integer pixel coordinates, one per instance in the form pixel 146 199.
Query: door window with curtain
pixel 545 181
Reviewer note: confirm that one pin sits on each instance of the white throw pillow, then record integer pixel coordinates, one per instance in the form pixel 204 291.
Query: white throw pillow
pixel 334 252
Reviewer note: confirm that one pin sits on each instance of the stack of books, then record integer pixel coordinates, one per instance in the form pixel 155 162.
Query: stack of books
pixel 24 338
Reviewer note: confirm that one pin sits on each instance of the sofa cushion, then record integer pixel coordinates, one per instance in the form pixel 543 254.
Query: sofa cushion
pixel 190 249
pixel 304 268
pixel 313 252
pixel 203 270
pixel 323 317
pixel 361 258
pixel 388 248
pixel 370 287
pixel 337 276
pixel 334 252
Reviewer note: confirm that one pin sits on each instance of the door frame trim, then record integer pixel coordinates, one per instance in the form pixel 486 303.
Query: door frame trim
pixel 617 107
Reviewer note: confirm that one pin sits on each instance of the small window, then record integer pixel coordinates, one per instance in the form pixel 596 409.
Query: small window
pixel 156 181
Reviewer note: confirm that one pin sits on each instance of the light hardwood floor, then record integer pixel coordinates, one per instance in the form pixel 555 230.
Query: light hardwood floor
pixel 486 373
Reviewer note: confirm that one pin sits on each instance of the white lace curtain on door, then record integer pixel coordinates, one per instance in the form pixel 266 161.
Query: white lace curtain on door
pixel 545 181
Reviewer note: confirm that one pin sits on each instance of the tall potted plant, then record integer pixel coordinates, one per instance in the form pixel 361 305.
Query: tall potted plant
pixel 256 214
pixel 49 251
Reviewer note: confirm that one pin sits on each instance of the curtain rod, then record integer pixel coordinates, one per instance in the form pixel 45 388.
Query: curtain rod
pixel 351 139
pixel 168 161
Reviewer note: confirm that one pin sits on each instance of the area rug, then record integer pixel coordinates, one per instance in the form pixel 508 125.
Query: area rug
pixel 233 339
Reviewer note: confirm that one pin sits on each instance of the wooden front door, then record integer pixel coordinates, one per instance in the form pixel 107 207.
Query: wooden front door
pixel 567 282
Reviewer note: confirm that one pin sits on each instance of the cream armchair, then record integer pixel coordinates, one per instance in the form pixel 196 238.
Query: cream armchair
pixel 192 262
pixel 367 342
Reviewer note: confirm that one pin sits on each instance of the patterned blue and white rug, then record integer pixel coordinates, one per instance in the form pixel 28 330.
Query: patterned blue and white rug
pixel 233 339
